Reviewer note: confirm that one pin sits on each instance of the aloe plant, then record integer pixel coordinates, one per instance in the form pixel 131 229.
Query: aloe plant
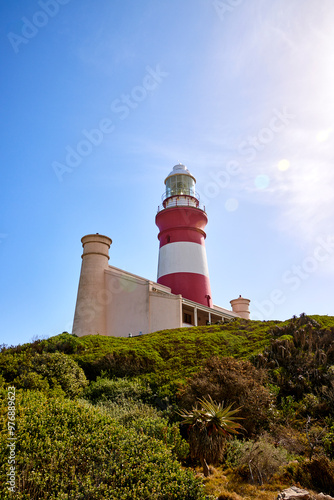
pixel 209 427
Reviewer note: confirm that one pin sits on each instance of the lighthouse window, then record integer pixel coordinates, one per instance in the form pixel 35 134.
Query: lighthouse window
pixel 187 318
pixel 180 185
pixel 168 239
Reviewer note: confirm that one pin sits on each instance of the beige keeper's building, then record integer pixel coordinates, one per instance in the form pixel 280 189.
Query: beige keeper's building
pixel 114 302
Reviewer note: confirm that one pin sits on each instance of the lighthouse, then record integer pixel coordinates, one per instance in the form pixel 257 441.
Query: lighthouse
pixel 181 221
pixel 116 302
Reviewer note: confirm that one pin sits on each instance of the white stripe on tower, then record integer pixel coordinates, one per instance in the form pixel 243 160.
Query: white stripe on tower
pixel 182 257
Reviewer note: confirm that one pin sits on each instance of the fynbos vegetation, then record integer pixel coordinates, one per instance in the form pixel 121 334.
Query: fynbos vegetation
pixel 230 411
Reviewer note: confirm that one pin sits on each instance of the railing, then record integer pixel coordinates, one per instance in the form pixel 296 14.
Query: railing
pixel 181 192
pixel 181 201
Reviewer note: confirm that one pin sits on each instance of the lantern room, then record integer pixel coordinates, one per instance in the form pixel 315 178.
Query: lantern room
pixel 180 188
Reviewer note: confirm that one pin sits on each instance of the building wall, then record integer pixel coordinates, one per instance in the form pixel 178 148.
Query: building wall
pixel 136 305
pixel 128 303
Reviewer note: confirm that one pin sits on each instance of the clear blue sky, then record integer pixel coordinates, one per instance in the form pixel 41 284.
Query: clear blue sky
pixel 100 99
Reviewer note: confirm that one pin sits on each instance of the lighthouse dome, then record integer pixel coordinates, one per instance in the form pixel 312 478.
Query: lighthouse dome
pixel 179 169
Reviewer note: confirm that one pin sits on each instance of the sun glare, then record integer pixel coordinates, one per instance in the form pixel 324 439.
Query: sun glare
pixel 323 135
pixel 283 165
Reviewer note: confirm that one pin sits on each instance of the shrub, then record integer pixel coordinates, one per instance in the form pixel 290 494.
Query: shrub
pixel 117 390
pixel 232 381
pixel 66 449
pixel 233 452
pixel 144 418
pixel 300 356
pixel 128 363
pixel 293 440
pixel 31 380
pixel 329 443
pixel 259 460
pixel 15 365
pixel 60 370
pixel 316 474
pixel 158 428
pixel 128 410
pixel 55 371
pixel 227 495
pixel 65 343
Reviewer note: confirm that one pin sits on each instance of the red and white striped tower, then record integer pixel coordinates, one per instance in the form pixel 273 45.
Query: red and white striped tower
pixel 183 264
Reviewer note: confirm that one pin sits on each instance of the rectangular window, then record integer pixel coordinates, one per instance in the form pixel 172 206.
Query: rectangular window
pixel 187 318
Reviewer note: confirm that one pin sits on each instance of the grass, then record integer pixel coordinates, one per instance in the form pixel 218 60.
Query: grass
pixel 324 321
pixel 224 482
pixel 182 351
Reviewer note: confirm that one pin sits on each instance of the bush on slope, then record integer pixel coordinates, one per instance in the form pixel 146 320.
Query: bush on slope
pixel 68 450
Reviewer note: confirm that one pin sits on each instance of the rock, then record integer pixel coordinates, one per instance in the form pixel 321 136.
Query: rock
pixel 294 493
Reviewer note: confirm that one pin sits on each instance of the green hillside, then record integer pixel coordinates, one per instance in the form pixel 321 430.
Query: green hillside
pixel 99 417
pixel 167 356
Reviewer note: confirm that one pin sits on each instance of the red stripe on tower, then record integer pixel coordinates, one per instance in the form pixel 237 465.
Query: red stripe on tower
pixel 182 257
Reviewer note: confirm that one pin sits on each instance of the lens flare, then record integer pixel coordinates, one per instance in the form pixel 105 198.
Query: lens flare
pixel 323 135
pixel 262 181
pixel 231 204
pixel 283 165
